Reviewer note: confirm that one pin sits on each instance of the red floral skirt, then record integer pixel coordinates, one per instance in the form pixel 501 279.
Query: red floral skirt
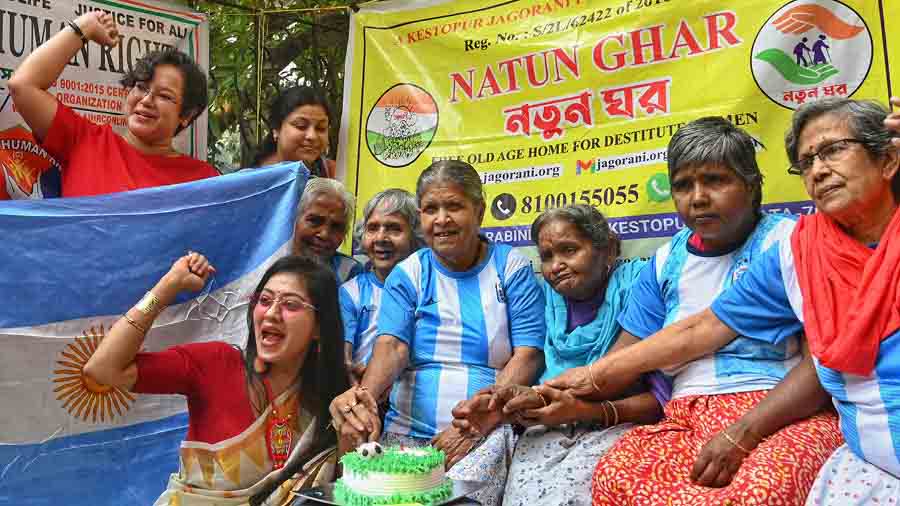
pixel 651 465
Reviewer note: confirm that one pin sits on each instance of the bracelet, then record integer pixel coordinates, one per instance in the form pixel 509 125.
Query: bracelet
pixel 615 413
pixel 77 29
pixel 591 374
pixel 605 415
pixel 543 399
pixel 134 324
pixel 735 443
pixel 148 303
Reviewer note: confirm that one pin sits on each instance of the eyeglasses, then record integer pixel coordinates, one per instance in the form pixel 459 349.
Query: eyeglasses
pixel 288 304
pixel 832 152
pixel 142 89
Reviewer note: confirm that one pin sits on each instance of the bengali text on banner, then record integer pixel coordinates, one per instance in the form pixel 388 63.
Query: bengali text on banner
pixel 574 101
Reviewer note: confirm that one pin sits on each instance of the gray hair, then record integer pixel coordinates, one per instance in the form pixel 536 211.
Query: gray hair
pixel 714 140
pixel 393 201
pixel 590 223
pixel 865 120
pixel 454 171
pixel 318 186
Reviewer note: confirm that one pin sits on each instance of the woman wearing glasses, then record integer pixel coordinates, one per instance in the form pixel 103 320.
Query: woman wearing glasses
pixel 837 279
pixel 257 416
pixel 166 91
pixel 734 428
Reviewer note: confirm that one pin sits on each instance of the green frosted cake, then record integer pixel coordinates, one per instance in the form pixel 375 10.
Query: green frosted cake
pixel 380 476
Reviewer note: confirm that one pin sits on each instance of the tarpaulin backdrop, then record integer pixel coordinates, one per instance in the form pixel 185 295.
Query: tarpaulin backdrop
pixel 71 268
pixel 562 101
pixel 90 83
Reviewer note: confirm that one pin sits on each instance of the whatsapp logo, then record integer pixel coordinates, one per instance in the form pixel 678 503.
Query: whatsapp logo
pixel 658 188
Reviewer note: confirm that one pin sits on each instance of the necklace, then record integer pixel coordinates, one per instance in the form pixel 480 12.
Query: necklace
pixel 278 433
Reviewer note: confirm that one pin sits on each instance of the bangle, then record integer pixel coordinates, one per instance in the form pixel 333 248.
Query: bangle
pixel 77 29
pixel 148 304
pixel 734 443
pixel 135 324
pixel 615 413
pixel 543 399
pixel 591 374
pixel 605 415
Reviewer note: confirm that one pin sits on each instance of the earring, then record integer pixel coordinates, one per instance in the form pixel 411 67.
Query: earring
pixel 260 365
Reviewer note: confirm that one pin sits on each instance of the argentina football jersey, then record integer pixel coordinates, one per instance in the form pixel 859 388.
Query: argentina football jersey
pixel 768 305
pixel 360 300
pixel 461 328
pixel 682 281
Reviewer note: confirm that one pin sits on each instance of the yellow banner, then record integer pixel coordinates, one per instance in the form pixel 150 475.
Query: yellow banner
pixel 563 101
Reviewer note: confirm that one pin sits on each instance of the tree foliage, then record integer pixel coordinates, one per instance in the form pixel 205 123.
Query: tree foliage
pixel 305 48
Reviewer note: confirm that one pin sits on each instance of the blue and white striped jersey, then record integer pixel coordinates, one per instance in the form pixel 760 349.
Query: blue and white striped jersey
pixel 679 282
pixel 461 328
pixel 360 300
pixel 767 304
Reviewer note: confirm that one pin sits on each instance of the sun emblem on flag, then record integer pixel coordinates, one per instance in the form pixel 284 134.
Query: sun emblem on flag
pixel 81 396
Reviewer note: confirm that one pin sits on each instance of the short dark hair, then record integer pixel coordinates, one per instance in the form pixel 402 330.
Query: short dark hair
pixel 194 95
pixel 285 103
pixel 324 375
pixel 714 140
pixel 865 119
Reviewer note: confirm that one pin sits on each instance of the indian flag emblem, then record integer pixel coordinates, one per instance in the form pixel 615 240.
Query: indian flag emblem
pixel 810 50
pixel 401 125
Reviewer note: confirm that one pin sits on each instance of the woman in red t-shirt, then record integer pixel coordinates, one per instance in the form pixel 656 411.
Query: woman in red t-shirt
pixel 298 131
pixel 166 92
pixel 256 416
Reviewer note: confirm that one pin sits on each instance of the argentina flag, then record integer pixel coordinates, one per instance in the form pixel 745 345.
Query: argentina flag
pixel 70 269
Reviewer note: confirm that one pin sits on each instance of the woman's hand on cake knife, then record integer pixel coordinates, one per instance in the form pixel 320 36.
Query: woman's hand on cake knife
pixel 355 415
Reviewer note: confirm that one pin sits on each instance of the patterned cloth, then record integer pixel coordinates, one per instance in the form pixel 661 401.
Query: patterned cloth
pixel 360 300
pixel 767 304
pixel 681 281
pixel 489 462
pixel 847 480
pixel 652 464
pixel 228 473
pixel 554 466
pixel 461 328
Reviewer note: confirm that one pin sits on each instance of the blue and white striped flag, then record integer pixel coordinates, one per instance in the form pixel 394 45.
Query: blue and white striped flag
pixel 69 268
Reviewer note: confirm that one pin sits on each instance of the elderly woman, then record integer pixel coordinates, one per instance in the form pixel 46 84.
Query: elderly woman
pixel 585 291
pixel 837 278
pixel 298 130
pixel 166 93
pixel 389 232
pixel 272 396
pixel 324 211
pixel 733 429
pixel 456 317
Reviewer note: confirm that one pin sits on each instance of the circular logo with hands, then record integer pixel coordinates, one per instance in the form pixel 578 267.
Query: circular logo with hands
pixel 503 206
pixel 808 50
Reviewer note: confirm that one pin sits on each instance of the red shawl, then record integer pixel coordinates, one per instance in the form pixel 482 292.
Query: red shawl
pixel 851 293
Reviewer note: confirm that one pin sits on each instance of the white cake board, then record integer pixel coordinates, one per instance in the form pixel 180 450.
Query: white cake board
pixel 325 494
